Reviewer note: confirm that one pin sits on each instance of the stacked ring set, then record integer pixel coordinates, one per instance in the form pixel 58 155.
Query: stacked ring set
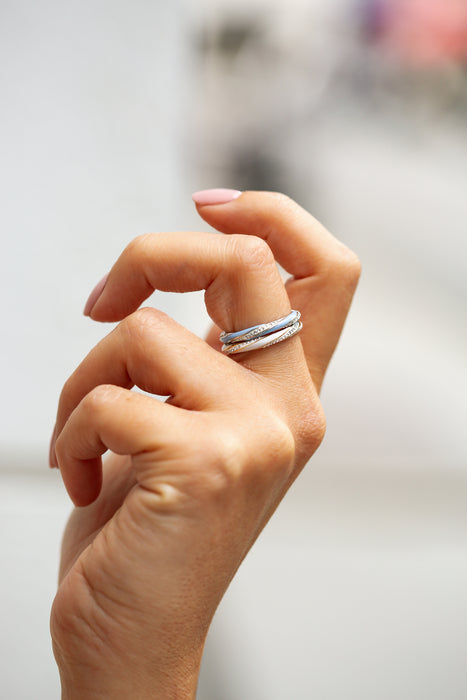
pixel 262 335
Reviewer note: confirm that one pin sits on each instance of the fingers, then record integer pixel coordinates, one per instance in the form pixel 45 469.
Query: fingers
pixel 150 350
pixel 324 271
pixel 110 417
pixel 299 242
pixel 243 286
pixel 242 283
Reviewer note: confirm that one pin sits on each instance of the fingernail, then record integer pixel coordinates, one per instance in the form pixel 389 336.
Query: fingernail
pixel 217 196
pixel 52 456
pixel 94 296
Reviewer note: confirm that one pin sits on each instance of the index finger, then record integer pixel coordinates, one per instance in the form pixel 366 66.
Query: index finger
pixel 239 273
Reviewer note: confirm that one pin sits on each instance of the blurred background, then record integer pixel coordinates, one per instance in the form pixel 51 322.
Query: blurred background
pixel 112 114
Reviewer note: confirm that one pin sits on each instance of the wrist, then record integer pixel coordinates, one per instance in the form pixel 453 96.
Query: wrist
pixel 108 654
pixel 87 672
pixel 93 684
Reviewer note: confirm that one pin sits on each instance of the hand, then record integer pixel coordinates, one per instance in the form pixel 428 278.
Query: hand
pixel 192 480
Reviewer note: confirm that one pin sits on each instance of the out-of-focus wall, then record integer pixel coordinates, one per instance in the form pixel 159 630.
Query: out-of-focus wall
pixel 92 111
pixel 357 109
pixel 326 102
pixel 92 107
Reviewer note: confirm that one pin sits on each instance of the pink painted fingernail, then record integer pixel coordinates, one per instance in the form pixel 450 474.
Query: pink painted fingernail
pixel 217 196
pixel 94 296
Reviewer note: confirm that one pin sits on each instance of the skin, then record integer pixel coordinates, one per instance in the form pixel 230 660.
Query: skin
pixel 191 481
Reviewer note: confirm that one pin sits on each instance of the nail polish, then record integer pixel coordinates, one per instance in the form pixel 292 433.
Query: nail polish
pixel 217 196
pixel 94 296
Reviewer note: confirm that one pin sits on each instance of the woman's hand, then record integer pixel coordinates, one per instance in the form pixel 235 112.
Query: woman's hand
pixel 192 480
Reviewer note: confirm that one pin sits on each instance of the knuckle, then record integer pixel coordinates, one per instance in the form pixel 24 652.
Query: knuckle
pixel 98 399
pixel 140 323
pixel 312 428
pixel 137 333
pixel 283 202
pixel 138 247
pixel 280 452
pixel 251 252
pixel 347 265
pixel 228 457
pixel 235 462
pixel 269 455
pixel 352 265
pixel 94 405
pixel 140 319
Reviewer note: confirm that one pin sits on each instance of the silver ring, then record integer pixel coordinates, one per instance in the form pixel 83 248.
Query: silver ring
pixel 261 336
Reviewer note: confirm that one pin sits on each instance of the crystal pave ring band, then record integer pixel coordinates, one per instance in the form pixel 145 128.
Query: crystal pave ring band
pixel 263 342
pixel 261 329
pixel 262 335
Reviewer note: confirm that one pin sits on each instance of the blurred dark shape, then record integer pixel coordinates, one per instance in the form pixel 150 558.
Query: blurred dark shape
pixel 373 18
pixel 254 168
pixel 231 37
pixel 272 83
